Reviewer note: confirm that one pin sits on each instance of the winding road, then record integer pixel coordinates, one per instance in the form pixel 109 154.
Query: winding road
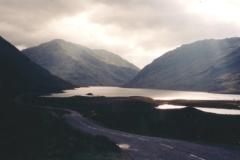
pixel 151 148
pixel 148 148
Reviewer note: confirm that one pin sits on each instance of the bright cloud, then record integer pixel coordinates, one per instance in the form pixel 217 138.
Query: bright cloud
pixel 137 30
pixel 221 10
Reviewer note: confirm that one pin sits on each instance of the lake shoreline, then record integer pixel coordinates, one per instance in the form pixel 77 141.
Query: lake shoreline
pixel 139 115
pixel 204 103
pixel 221 104
pixel 152 93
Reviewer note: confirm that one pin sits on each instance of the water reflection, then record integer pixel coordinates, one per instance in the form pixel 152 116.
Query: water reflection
pixel 123 146
pixel 152 93
pixel 208 110
pixel 220 111
pixel 169 106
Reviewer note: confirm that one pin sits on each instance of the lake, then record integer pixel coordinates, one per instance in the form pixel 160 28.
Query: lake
pixel 152 93
pixel 208 110
pixel 155 94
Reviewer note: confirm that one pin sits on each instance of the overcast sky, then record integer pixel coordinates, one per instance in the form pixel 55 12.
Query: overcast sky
pixel 137 30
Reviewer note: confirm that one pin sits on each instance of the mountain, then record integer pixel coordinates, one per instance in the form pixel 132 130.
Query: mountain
pixel 207 65
pixel 80 65
pixel 19 74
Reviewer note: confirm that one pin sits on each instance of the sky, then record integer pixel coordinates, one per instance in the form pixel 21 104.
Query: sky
pixel 137 30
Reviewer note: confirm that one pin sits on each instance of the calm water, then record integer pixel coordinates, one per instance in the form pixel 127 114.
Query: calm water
pixel 169 106
pixel 220 111
pixel 208 110
pixel 152 93
pixel 155 94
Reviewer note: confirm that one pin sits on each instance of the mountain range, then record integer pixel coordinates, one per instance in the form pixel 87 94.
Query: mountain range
pixel 19 74
pixel 207 65
pixel 80 65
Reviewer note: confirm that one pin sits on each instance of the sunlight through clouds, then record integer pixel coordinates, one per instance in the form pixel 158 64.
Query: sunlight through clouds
pixel 138 31
pixel 79 28
pixel 221 10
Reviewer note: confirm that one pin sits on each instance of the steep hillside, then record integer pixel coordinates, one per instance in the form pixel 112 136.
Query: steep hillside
pixel 81 65
pixel 19 74
pixel 114 59
pixel 208 65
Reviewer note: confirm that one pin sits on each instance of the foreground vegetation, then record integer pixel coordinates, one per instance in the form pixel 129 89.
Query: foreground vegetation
pixel 36 133
pixel 139 115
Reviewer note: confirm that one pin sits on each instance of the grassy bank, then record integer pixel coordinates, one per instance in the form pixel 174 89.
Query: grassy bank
pixel 138 115
pixel 35 133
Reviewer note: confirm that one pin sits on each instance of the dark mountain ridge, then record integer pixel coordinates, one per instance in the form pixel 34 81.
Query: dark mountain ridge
pixel 80 65
pixel 19 74
pixel 207 65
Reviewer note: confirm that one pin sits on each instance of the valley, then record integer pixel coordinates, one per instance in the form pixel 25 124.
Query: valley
pixel 139 115
pixel 118 127
pixel 140 147
pixel 119 80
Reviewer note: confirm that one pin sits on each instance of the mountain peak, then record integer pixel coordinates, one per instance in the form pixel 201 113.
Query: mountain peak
pixel 19 74
pixel 207 65
pixel 80 65
pixel 57 40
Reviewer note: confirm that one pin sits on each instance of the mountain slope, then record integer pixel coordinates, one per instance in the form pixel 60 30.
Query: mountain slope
pixel 19 74
pixel 208 65
pixel 81 65
pixel 114 59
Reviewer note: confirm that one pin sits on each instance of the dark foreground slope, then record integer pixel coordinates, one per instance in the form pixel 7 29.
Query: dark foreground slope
pixel 28 132
pixel 19 74
pixel 208 65
pixel 138 115
pixel 36 133
pixel 81 65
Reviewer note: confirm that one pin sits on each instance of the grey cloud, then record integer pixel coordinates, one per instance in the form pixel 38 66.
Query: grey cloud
pixel 139 14
pixel 23 21
pixel 147 24
pixel 31 15
pixel 159 23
